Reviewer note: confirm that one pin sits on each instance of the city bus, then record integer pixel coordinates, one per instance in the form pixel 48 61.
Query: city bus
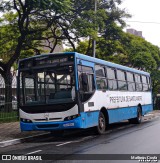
pixel 62 91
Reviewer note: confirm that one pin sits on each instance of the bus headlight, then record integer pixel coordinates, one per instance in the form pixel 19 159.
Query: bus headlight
pixel 71 117
pixel 26 120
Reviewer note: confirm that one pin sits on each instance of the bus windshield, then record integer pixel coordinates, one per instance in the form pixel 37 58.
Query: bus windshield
pixel 47 86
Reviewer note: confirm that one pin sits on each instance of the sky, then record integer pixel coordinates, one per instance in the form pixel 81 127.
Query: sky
pixel 144 11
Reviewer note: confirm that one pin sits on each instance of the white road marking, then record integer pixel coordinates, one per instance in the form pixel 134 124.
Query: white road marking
pixel 76 141
pixel 33 152
pixel 64 143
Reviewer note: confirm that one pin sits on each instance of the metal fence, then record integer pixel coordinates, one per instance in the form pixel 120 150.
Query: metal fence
pixel 12 115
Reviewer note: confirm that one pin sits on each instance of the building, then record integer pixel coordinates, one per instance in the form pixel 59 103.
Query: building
pixel 49 44
pixel 135 32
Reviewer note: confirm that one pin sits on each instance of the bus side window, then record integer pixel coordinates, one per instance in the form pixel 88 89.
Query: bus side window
pixel 131 81
pixel 145 84
pixel 111 77
pixel 121 77
pixel 149 83
pixel 138 82
pixel 100 77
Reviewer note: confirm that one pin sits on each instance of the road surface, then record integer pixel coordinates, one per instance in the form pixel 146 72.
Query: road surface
pixel 121 141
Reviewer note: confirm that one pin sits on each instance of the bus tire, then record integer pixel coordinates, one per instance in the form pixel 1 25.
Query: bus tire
pixel 138 119
pixel 101 128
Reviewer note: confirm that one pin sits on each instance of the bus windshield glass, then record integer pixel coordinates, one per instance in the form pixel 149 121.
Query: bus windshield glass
pixel 47 86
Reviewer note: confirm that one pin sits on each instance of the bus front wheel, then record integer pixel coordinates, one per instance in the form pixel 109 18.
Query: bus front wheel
pixel 101 128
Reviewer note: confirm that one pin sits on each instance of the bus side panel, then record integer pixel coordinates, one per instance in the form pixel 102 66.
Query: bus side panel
pixel 120 114
pixel 89 119
pixel 146 109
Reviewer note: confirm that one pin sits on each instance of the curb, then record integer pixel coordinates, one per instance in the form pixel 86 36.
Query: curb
pixel 21 140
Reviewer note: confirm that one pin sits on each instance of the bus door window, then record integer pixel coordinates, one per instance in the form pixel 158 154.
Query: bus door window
pixel 86 82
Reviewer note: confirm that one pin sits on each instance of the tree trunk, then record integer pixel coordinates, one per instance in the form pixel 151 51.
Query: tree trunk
pixel 8 91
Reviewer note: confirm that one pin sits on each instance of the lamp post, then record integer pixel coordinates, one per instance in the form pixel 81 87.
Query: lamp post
pixel 94 41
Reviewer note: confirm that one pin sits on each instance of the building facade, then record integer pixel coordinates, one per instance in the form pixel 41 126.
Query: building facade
pixel 135 32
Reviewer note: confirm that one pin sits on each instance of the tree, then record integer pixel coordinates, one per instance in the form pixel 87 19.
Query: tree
pixel 86 23
pixel 32 18
pixel 37 20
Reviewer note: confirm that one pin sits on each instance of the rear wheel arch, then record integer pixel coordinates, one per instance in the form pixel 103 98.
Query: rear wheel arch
pixel 105 112
pixel 138 119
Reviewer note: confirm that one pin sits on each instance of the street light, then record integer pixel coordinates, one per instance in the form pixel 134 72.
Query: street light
pixel 94 41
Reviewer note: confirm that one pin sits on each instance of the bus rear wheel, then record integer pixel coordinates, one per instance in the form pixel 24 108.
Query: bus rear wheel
pixel 138 119
pixel 101 128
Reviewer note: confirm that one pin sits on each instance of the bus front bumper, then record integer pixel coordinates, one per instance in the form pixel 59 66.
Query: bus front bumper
pixel 49 126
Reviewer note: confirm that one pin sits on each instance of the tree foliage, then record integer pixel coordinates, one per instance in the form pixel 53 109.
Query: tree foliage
pixel 23 22
pixel 27 26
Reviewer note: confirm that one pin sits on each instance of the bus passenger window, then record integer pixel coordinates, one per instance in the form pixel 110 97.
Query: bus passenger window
pixel 111 77
pixel 100 77
pixel 101 83
pixel 138 82
pixel 131 82
pixel 122 84
pixel 145 84
pixel 149 83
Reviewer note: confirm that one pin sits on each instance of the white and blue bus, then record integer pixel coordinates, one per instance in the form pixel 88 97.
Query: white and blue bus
pixel 70 91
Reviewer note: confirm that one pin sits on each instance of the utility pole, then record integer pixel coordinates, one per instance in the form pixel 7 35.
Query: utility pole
pixel 94 41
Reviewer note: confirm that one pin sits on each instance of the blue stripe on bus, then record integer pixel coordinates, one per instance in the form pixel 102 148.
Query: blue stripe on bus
pixel 88 119
pixel 85 63
pixel 116 115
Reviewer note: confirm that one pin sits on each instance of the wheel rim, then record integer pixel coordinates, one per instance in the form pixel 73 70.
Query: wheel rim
pixel 102 123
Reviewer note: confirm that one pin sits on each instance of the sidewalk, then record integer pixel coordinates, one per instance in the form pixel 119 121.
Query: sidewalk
pixel 10 133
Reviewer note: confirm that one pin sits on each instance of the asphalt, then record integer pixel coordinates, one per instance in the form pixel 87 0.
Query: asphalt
pixel 11 134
